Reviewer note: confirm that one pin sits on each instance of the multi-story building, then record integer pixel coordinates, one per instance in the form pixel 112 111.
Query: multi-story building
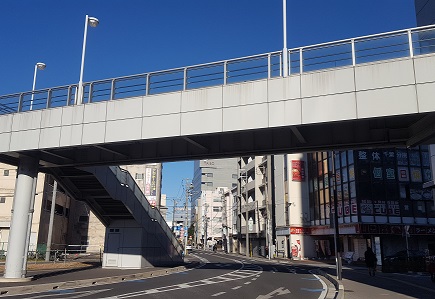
pixel 210 211
pixel 379 198
pixel 274 206
pixel 255 205
pixel 210 175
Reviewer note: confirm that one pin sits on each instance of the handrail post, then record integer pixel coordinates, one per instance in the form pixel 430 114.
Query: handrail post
pixel 301 61
pixel 91 90
pixel 68 96
pixel 147 85
pixel 280 65
pixel 269 72
pixel 112 90
pixel 225 72
pixel 48 98
pixel 20 103
pixel 353 52
pixel 411 47
pixel 185 78
pixel 285 62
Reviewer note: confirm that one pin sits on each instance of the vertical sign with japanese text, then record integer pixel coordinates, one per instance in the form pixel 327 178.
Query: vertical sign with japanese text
pixel 298 171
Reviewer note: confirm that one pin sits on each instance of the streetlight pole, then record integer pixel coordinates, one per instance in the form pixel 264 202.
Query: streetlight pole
pixel 38 66
pixel 284 49
pixel 93 22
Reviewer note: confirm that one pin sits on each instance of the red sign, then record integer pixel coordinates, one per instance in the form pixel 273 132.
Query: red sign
pixel 298 171
pixel 300 230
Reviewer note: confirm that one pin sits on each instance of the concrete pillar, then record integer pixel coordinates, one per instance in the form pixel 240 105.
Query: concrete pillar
pixel 22 211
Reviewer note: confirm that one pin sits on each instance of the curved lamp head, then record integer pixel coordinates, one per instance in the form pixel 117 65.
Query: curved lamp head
pixel 93 22
pixel 40 65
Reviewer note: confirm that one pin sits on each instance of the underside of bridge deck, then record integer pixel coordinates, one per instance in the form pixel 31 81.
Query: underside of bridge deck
pixel 405 130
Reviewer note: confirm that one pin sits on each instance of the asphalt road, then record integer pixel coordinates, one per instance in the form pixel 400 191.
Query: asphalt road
pixel 217 276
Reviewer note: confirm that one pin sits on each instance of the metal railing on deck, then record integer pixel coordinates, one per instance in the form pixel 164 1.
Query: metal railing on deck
pixel 348 52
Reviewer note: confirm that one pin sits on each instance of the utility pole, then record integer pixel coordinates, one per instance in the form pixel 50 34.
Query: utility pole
pixel 246 213
pixel 225 223
pixel 50 225
pixel 336 228
pixel 269 186
pixel 189 187
pixel 173 215
pixel 205 226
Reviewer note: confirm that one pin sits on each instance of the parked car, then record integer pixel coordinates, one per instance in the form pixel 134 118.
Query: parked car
pixel 401 262
pixel 189 248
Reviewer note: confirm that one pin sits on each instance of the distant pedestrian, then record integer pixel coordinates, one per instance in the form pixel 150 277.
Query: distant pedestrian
pixel 370 259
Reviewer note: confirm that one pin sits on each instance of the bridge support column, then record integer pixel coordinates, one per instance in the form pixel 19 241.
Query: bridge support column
pixel 22 213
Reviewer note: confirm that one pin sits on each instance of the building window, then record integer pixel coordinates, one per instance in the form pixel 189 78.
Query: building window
pixel 2 199
pixel 209 175
pixel 217 209
pixel 6 172
pixel 139 176
pixel 209 184
pixel 217 199
pixel 58 209
pixel 84 219
pixel 234 176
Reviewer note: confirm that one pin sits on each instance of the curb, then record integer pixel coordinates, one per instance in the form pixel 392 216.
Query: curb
pixel 19 290
pixel 339 287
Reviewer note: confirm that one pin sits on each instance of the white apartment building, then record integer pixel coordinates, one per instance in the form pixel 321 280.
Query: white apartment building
pixel 209 216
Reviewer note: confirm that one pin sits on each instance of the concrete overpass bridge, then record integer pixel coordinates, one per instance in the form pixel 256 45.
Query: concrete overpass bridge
pixel 368 91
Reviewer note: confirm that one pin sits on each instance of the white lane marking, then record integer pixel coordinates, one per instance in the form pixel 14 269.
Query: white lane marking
pixel 325 288
pixel 254 279
pixel 278 292
pixel 218 294
pixel 240 274
pixel 236 288
pixel 248 282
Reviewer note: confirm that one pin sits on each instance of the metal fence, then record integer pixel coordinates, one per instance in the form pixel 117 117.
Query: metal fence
pixel 62 254
pixel 348 52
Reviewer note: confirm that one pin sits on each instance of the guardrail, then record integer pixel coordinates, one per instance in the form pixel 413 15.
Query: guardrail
pixel 127 180
pixel 348 52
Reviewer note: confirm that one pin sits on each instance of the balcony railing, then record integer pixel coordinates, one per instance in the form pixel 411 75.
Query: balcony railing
pixel 348 52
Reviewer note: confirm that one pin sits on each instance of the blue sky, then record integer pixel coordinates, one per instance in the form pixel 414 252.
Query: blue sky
pixel 137 36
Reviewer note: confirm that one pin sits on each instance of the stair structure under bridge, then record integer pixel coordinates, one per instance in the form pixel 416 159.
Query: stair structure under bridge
pixel 137 236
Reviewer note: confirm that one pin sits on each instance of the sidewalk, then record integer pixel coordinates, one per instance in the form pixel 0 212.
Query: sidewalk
pixel 357 284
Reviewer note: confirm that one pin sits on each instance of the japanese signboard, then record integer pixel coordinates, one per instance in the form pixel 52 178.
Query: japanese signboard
pixel 298 171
